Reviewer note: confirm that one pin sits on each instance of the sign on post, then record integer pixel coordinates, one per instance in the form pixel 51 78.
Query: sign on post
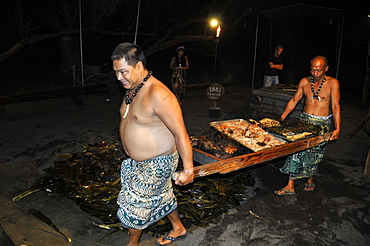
pixel 215 92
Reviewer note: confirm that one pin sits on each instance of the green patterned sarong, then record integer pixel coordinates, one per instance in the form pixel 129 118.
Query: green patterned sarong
pixel 146 195
pixel 304 164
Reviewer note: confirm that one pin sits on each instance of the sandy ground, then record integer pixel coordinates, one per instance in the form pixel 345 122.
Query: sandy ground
pixel 32 133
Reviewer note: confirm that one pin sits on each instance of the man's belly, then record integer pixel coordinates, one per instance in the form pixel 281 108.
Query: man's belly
pixel 317 109
pixel 142 143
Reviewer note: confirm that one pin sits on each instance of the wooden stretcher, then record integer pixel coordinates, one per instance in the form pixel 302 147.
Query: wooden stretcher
pixel 216 165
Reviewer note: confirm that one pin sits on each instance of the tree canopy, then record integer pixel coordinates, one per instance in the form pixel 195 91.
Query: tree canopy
pixel 55 25
pixel 162 23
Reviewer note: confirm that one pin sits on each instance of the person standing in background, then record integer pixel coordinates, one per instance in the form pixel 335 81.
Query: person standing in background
pixel 274 65
pixel 178 65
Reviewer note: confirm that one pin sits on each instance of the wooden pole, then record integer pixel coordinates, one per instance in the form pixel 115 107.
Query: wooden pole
pixel 238 162
pixel 365 89
pixel 367 165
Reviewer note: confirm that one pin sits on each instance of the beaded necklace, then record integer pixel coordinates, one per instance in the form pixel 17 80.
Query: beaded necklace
pixel 129 98
pixel 315 94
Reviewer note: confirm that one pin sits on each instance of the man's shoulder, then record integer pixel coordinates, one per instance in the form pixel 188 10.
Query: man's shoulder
pixel 329 78
pixel 332 81
pixel 156 85
pixel 306 79
pixel 270 57
pixel 280 58
pixel 157 88
pixel 275 59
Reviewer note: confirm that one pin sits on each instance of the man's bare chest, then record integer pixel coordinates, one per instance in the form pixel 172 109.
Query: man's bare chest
pixel 317 91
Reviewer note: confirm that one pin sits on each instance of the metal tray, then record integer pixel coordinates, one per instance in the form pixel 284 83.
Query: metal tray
pixel 254 148
pixel 275 133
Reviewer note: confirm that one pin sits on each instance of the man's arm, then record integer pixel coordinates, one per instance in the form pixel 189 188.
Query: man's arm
pixel 186 63
pixel 169 111
pixel 278 66
pixel 172 64
pixel 335 107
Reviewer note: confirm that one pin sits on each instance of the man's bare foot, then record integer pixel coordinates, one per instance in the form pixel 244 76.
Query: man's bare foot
pixel 284 192
pixel 309 187
pixel 170 237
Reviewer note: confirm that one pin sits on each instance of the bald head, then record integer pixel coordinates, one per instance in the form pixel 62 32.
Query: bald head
pixel 319 67
pixel 321 59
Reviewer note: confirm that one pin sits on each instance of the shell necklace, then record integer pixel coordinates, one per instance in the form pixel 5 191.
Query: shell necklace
pixel 315 94
pixel 129 98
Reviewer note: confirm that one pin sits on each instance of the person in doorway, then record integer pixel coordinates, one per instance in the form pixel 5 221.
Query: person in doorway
pixel 153 135
pixel 321 108
pixel 179 64
pixel 275 63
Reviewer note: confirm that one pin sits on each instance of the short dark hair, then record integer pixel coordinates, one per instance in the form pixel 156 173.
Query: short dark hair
pixel 279 47
pixel 132 54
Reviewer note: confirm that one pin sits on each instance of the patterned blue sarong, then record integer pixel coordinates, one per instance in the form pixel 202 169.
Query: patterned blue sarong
pixel 146 195
pixel 304 164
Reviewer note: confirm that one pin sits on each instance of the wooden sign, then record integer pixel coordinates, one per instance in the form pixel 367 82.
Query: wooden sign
pixel 215 92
